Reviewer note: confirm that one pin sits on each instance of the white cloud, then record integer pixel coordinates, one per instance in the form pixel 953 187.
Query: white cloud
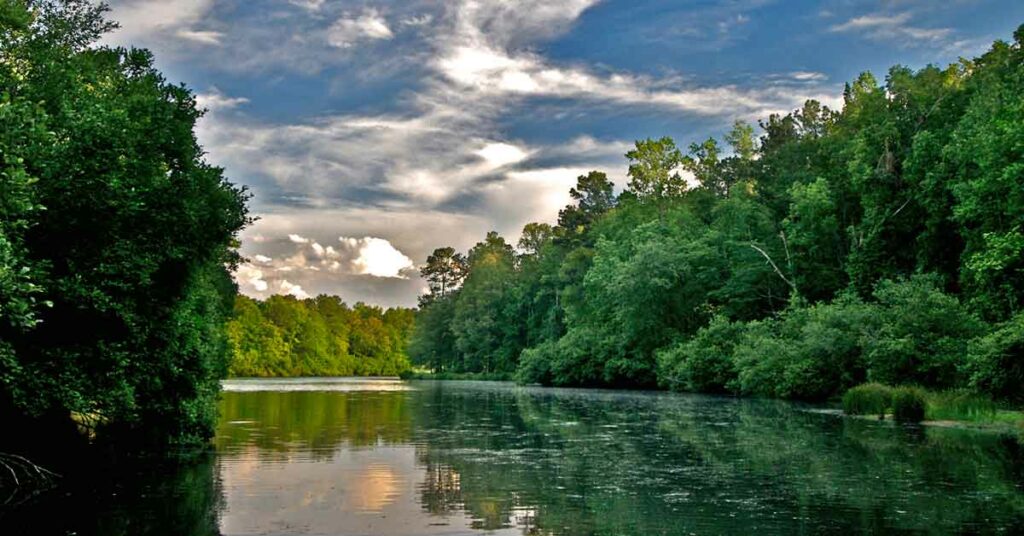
pixel 871 21
pixel 199 36
pixel 298 239
pixel 808 76
pixel 262 259
pixel 146 18
pixel 215 100
pixel 311 5
pixel 501 154
pixel 370 25
pixel 892 27
pixel 375 256
pixel 417 20
pixel 288 288
pixel 250 278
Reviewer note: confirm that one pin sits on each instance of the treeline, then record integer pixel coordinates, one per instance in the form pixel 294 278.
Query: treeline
pixel 321 336
pixel 882 242
pixel 116 238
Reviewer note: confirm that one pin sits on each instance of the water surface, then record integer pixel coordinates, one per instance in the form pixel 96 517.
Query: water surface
pixel 387 457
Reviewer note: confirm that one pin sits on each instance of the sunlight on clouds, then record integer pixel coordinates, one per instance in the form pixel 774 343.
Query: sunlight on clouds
pixel 376 257
pixel 501 154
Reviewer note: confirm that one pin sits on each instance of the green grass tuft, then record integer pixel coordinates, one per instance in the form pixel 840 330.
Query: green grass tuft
pixel 868 399
pixel 909 404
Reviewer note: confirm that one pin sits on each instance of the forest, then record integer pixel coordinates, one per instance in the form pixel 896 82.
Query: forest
pixel 881 242
pixel 322 336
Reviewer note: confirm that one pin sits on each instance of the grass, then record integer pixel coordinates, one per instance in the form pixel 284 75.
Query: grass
pixel 909 404
pixel 868 399
pixel 914 404
pixel 961 406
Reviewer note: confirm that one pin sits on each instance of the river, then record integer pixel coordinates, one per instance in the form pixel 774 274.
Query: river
pixel 368 456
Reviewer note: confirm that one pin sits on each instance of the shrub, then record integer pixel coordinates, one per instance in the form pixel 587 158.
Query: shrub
pixel 909 404
pixel 922 335
pixel 868 399
pixel 995 362
pixel 811 353
pixel 703 363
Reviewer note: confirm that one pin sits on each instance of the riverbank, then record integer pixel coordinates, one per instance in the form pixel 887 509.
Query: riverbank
pixel 459 376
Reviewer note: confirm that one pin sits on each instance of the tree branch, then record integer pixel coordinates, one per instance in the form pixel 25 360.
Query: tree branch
pixel 775 267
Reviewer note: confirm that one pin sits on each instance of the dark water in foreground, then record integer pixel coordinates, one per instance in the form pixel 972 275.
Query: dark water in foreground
pixel 385 457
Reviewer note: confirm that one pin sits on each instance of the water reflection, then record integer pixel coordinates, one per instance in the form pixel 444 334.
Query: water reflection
pixel 467 458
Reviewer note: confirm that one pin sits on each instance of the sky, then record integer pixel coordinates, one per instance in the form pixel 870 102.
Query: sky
pixel 372 132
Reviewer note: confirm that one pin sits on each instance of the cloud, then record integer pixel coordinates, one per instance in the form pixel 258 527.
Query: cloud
pixel 288 288
pixel 215 100
pixel 374 256
pixel 250 278
pixel 808 76
pixel 170 18
pixel 310 5
pixel 501 154
pixel 205 37
pixel 370 25
pixel 417 20
pixel 435 166
pixel 892 27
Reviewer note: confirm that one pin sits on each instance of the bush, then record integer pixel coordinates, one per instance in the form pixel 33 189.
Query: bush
pixel 922 334
pixel 995 362
pixel 909 404
pixel 868 399
pixel 703 363
pixel 961 405
pixel 811 353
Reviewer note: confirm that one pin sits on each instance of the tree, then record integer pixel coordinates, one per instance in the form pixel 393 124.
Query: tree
pixel 445 270
pixel 654 170
pixel 134 246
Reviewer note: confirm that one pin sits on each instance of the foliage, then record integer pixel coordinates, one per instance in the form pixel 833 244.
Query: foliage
pixel 705 362
pixel 880 242
pixel 285 336
pixel 995 362
pixel 116 237
pixel 868 399
pixel 922 336
pixel 909 404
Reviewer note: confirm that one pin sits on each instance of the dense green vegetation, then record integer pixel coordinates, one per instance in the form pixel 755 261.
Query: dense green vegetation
pixel 321 336
pixel 116 237
pixel 883 242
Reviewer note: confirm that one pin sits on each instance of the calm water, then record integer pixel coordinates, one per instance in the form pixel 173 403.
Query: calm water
pixel 386 457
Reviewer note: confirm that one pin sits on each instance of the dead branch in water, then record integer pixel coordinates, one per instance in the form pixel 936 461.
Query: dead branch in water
pixel 34 477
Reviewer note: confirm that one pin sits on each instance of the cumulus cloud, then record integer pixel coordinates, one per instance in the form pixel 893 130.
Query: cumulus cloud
pixel 297 261
pixel 370 25
pixel 374 256
pixel 286 287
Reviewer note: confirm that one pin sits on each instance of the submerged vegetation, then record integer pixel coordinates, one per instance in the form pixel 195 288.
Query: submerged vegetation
pixel 883 242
